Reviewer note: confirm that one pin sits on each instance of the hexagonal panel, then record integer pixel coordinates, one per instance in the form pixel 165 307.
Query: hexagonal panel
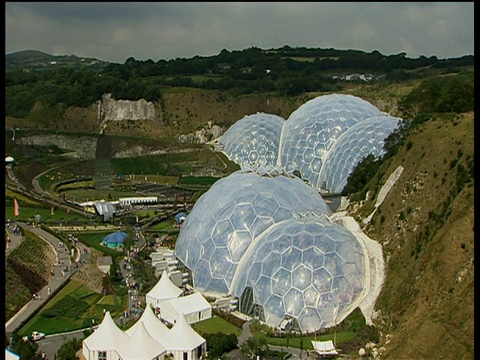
pixel 301 277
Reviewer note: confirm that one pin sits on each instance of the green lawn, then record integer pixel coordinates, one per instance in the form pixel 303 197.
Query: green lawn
pixel 307 340
pixel 216 324
pixel 73 308
pixel 27 213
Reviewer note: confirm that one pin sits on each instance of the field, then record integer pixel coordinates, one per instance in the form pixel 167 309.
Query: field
pixel 73 308
pixel 29 214
pixel 216 324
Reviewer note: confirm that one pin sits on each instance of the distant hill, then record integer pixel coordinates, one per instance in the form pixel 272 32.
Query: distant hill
pixel 29 60
pixel 27 55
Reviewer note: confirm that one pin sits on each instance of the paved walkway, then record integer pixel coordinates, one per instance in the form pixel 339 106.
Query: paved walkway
pixel 55 281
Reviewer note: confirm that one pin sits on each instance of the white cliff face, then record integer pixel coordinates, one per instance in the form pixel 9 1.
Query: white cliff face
pixel 202 136
pixel 116 110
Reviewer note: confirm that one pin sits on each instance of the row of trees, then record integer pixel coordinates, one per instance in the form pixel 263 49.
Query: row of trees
pixel 286 71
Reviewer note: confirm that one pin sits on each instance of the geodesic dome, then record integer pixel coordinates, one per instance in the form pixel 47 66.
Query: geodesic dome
pixel 312 129
pixel 254 140
pixel 230 215
pixel 364 138
pixel 305 269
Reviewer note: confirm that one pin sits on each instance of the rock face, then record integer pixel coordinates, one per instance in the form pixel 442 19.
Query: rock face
pixel 202 136
pixel 116 110
pixel 83 147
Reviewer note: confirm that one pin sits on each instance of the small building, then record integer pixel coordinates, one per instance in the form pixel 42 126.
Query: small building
pixel 115 239
pixel 129 201
pixel 180 217
pixel 104 209
pixel 104 263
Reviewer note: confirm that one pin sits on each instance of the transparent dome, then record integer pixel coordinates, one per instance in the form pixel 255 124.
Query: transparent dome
pixel 364 138
pixel 254 140
pixel 312 129
pixel 306 269
pixel 234 211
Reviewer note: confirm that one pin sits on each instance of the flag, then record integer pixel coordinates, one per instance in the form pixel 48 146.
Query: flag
pixel 16 208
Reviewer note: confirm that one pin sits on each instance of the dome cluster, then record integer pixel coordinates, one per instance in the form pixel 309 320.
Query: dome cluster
pixel 305 141
pixel 267 240
pixel 230 215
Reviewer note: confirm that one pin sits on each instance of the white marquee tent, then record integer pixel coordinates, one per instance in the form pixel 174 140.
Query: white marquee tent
pixel 183 342
pixel 10 355
pixel 194 307
pixel 141 346
pixel 155 327
pixel 107 338
pixel 164 289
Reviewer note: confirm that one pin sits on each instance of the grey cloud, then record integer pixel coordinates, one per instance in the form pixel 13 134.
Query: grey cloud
pixel 164 30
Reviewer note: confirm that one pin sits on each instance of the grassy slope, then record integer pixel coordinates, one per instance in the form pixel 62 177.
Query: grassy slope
pixel 26 271
pixel 427 300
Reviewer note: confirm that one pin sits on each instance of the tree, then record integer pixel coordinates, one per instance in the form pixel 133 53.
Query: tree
pixel 362 174
pixel 220 343
pixel 26 349
pixel 69 349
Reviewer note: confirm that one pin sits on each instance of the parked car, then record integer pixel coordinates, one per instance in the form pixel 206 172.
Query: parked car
pixel 37 335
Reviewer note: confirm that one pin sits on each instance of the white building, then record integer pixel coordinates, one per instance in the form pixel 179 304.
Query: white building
pixel 137 200
pixel 194 307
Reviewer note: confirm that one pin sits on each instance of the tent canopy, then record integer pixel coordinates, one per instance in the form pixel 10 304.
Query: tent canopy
pixel 182 337
pixel 164 289
pixel 10 355
pixel 115 238
pixel 324 347
pixel 154 325
pixel 141 345
pixel 108 336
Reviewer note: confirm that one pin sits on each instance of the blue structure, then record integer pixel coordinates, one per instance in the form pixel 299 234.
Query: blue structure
pixel 115 239
pixel 181 216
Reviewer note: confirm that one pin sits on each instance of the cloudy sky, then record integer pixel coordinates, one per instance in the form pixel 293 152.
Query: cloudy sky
pixel 114 31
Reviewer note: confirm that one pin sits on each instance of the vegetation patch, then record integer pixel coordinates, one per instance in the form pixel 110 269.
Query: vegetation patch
pixel 216 324
pixel 72 308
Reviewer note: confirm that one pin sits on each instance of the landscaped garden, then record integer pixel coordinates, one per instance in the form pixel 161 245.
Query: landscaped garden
pixel 74 307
